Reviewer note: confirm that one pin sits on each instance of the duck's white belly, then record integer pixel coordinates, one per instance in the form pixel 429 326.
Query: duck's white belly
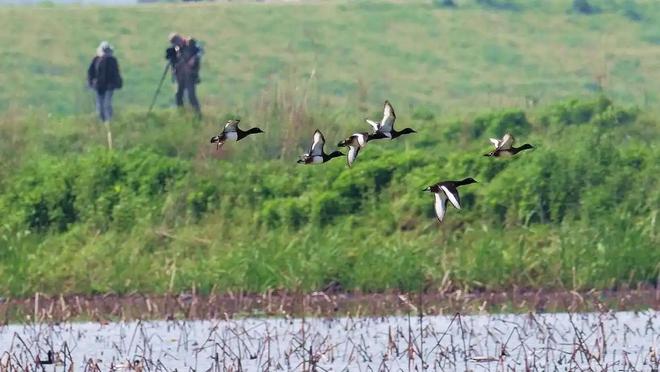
pixel 361 139
pixel 317 160
pixel 233 136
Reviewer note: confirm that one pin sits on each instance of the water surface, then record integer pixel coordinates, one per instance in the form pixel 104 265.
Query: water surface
pixel 483 342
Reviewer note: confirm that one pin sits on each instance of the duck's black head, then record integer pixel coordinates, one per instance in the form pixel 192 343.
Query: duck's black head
pixel 526 146
pixel 407 131
pixel 254 130
pixel 335 154
pixel 467 181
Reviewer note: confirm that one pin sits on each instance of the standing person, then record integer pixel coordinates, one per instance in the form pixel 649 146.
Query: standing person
pixel 103 76
pixel 185 58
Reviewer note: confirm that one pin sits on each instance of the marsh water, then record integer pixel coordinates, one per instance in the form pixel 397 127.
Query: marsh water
pixel 623 340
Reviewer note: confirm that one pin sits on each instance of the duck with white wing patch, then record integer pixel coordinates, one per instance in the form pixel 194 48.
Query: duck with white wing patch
pixel 355 143
pixel 385 128
pixel 232 132
pixel 504 146
pixel 445 191
pixel 316 155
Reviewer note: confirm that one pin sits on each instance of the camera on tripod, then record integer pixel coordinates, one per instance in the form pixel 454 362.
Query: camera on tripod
pixel 171 54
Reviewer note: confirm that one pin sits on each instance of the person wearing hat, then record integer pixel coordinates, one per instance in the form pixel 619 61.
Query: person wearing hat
pixel 103 76
pixel 185 57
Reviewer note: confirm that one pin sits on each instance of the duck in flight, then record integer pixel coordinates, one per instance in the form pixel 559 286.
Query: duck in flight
pixel 447 191
pixel 355 143
pixel 385 128
pixel 232 132
pixel 316 155
pixel 504 146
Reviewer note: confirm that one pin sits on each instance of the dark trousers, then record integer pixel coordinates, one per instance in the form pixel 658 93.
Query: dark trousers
pixel 104 105
pixel 187 85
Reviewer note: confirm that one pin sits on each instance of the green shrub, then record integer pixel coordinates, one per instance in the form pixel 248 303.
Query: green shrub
pixel 578 211
pixel 329 205
pixel 42 195
pixel 287 212
pixel 600 112
pixel 202 198
pixel 489 125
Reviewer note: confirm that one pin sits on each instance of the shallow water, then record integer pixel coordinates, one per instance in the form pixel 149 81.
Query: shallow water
pixel 620 340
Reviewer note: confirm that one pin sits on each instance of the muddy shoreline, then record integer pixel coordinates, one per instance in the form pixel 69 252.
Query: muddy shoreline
pixel 112 307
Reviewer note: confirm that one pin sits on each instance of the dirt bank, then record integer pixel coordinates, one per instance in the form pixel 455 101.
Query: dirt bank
pixel 190 306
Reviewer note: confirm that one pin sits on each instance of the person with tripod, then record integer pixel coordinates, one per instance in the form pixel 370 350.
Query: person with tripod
pixel 103 76
pixel 184 56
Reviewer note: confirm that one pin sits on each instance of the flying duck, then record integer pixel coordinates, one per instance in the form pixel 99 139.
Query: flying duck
pixel 355 143
pixel 232 132
pixel 504 146
pixel 447 191
pixel 385 128
pixel 316 155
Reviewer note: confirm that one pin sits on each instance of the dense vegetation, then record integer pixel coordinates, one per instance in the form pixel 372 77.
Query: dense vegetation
pixel 163 211
pixel 479 54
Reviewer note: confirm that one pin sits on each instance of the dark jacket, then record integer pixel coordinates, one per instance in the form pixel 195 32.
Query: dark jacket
pixel 103 74
pixel 185 61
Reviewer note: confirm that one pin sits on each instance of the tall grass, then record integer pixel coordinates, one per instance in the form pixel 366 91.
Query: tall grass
pixel 163 211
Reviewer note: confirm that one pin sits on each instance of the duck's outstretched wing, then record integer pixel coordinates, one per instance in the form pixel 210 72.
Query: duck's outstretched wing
pixel 440 205
pixel 352 154
pixel 387 124
pixel 317 146
pixel 354 143
pixel 374 125
pixel 452 195
pixel 231 126
pixel 495 142
pixel 506 142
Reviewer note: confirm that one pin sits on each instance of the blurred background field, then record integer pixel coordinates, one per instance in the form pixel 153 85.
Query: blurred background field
pixel 164 212
pixel 480 54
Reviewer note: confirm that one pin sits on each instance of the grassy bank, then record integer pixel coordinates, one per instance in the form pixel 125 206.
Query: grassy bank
pixel 472 56
pixel 165 212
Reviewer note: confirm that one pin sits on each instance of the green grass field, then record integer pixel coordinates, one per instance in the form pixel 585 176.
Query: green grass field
pixel 163 211
pixel 452 60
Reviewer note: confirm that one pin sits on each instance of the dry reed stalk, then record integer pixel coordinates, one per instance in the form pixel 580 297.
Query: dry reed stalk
pixel 36 307
pixel 108 135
